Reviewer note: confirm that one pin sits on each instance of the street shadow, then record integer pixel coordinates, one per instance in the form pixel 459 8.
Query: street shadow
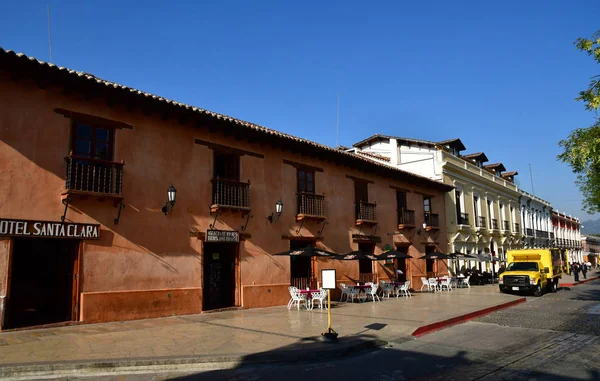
pixel 360 357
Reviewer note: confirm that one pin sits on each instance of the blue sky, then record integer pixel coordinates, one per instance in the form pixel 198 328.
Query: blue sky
pixel 501 75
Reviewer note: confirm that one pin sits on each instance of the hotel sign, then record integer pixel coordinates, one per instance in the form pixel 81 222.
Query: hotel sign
pixel 48 229
pixel 222 236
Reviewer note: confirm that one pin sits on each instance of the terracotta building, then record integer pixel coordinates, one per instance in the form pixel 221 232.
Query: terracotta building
pixel 116 204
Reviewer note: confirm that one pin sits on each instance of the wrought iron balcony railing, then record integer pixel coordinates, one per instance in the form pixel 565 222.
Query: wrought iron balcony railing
pixel 231 194
pixel 463 219
pixel 311 205
pixel 94 176
pixel 406 217
pixel 481 223
pixel 432 220
pixel 366 211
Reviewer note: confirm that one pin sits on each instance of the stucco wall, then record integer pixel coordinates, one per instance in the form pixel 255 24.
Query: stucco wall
pixel 135 264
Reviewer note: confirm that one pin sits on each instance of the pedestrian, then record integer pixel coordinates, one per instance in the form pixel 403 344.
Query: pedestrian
pixel 575 270
pixel 584 270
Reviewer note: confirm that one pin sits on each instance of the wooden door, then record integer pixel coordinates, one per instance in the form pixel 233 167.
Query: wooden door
pixel 219 276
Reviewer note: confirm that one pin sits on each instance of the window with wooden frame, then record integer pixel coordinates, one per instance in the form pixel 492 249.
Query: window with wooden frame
pixel 90 165
pixel 92 142
pixel 306 181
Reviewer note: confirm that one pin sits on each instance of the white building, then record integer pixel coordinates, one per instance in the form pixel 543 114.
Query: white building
pixel 536 218
pixel 482 213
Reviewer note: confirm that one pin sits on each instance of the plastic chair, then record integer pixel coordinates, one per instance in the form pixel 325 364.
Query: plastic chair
pixel 387 289
pixel 344 289
pixel 297 298
pixel 466 281
pixel 372 292
pixel 425 283
pixel 352 293
pixel 405 289
pixel 320 297
pixel 445 282
pixel 433 284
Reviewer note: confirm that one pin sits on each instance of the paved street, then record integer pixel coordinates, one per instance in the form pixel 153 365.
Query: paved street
pixel 555 337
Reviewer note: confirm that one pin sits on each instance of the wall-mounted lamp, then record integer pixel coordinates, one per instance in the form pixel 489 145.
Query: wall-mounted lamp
pixel 424 227
pixel 274 217
pixel 171 193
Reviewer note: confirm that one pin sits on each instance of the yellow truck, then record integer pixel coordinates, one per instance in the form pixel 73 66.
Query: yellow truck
pixel 532 270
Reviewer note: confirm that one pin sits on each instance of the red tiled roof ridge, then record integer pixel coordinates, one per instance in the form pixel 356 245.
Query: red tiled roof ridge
pixel 216 115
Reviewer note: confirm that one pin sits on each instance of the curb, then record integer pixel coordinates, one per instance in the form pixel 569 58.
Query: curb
pixel 578 283
pixel 140 365
pixel 461 319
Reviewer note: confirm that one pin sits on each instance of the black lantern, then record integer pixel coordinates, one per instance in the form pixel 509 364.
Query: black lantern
pixel 274 217
pixel 171 194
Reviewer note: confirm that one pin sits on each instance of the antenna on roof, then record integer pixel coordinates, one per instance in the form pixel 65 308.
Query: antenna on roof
pixel 49 37
pixel 337 123
pixel 531 178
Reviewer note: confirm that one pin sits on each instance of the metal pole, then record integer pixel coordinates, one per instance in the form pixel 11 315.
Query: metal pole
pixel 328 311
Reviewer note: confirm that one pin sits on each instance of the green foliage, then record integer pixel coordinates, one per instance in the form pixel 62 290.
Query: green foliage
pixel 582 147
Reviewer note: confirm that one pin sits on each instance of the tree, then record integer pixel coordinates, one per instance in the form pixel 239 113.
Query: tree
pixel 582 147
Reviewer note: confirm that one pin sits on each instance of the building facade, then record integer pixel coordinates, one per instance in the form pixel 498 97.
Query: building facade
pixel 482 211
pixel 567 235
pixel 116 204
pixel 536 217
pixel 590 246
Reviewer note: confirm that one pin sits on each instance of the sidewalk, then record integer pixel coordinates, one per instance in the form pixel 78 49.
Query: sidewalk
pixel 237 336
pixel 569 280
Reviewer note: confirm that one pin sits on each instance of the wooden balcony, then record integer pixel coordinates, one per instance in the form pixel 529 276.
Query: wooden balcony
pixel 230 194
pixel 463 219
pixel 432 220
pixel 93 177
pixel 366 213
pixel 406 219
pixel 310 206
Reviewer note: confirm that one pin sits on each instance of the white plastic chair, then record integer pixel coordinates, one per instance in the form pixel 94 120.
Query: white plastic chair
pixel 372 292
pixel 433 284
pixel 405 289
pixel 345 290
pixel 387 289
pixel 297 298
pixel 352 293
pixel 465 281
pixel 320 297
pixel 291 290
pixel 425 283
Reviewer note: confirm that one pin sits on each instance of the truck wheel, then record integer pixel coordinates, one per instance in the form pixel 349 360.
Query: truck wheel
pixel 554 286
pixel 538 290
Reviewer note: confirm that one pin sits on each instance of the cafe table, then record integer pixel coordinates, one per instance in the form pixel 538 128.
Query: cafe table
pixel 308 294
